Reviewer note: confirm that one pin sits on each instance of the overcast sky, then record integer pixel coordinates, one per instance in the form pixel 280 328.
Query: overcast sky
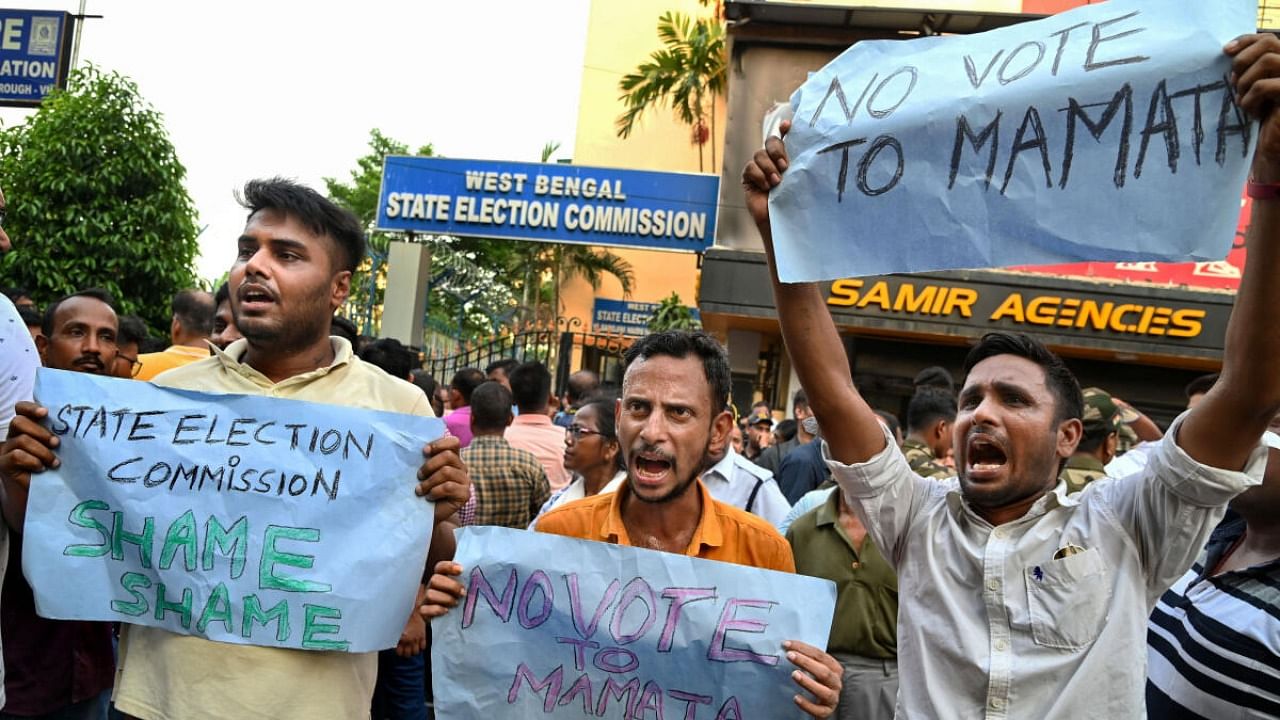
pixel 252 89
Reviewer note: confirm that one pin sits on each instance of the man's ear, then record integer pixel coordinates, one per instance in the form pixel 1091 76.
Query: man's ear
pixel 42 344
pixel 1069 433
pixel 175 327
pixel 721 426
pixel 341 289
pixel 1113 440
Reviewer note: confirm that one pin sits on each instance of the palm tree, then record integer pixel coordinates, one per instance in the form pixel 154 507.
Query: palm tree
pixel 688 73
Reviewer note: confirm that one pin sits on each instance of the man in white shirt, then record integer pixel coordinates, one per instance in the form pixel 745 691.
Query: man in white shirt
pixel 741 483
pixel 18 363
pixel 1017 601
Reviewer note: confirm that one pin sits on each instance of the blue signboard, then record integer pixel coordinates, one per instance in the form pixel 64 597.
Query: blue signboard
pixel 35 55
pixel 624 317
pixel 549 203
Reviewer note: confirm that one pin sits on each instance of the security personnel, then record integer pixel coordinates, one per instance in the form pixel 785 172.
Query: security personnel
pixel 735 480
pixel 1098 444
pixel 930 417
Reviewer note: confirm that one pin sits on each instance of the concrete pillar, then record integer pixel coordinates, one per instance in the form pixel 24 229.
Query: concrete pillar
pixel 405 302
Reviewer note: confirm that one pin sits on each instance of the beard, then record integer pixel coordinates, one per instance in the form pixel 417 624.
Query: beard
pixel 680 488
pixel 290 331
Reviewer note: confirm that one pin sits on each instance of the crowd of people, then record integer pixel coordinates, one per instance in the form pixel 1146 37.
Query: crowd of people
pixel 1024 549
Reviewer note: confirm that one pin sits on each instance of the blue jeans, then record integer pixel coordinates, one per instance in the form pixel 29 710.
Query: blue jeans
pixel 400 693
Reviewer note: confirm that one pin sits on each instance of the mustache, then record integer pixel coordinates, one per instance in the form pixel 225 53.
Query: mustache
pixel 93 360
pixel 647 449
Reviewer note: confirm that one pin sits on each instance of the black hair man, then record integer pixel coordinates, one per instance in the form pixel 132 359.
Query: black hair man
pixel 1018 601
pixel 671 417
pixel 930 416
pixel 464 382
pixel 225 331
pixel 581 388
pixel 129 337
pixel 510 484
pixel 532 429
pixel 293 268
pixel 499 371
pixel 189 332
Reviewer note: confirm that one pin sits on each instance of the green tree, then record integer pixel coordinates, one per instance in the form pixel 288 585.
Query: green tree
pixel 672 314
pixel 688 73
pixel 96 198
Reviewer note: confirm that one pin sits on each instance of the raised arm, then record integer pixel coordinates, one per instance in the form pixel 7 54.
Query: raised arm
pixel 1224 427
pixel 850 427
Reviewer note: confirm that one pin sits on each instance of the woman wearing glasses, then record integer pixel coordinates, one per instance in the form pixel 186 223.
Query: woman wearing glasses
pixel 591 453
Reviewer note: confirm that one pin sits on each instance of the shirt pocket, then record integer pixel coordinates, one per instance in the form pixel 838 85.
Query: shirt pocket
pixel 1068 599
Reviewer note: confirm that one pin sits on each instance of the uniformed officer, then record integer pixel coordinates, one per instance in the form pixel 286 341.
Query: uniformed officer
pixel 735 480
pixel 1098 443
pixel 930 417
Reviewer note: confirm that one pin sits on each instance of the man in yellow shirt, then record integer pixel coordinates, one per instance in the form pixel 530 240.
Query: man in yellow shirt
pixel 189 333
pixel 292 270
pixel 671 417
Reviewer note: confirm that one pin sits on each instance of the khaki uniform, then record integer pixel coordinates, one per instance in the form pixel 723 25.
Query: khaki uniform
pixel 923 462
pixel 1081 470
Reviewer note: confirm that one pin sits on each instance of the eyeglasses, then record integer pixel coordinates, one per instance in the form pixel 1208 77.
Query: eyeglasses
pixel 135 366
pixel 577 431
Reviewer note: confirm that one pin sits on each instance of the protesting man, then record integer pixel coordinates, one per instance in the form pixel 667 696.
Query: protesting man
pixel 189 332
pixel 510 483
pixel 60 668
pixel 1017 601
pixel 464 382
pixel 224 326
pixel 532 429
pixel 293 268
pixel 671 415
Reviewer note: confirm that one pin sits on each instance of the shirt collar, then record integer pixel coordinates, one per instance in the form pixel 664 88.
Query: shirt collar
pixel 708 533
pixel 1051 500
pixel 724 468
pixel 532 419
pixel 489 440
pixel 232 359
pixel 828 513
pixel 187 351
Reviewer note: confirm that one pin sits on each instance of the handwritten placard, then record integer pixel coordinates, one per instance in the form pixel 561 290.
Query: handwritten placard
pixel 566 628
pixel 237 518
pixel 1104 133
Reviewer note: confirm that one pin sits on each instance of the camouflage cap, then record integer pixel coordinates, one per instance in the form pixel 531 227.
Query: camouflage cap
pixel 1100 412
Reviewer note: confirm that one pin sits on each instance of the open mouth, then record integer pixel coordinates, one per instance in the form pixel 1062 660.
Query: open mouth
pixel 651 467
pixel 984 456
pixel 253 297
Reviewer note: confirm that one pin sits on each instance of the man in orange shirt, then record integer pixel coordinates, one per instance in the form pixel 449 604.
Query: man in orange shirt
pixel 672 415
pixel 189 332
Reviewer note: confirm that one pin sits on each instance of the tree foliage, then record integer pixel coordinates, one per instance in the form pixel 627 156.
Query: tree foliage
pixel 688 73
pixel 672 314
pixel 96 198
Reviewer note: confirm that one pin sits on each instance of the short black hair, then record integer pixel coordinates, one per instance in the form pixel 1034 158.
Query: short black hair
pixel 223 294
pixel 465 381
pixel 786 430
pixel 490 405
pixel 895 427
pixel 15 293
pixel 46 323
pixel 929 405
pixel 505 365
pixel 391 356
pixel 131 330
pixel 316 212
pixel 1062 383
pixel 530 386
pixel 344 328
pixel 1089 442
pixel 935 377
pixel 799 400
pixel 681 344
pixel 30 317
pixel 582 386
pixel 426 381
pixel 1201 385
pixel 194 309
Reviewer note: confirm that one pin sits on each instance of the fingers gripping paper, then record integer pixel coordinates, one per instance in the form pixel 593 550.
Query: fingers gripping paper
pixel 1104 133
pixel 236 518
pixel 566 628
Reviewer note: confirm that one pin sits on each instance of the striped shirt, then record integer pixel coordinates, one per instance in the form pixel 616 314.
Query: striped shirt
pixel 1213 643
pixel 510 484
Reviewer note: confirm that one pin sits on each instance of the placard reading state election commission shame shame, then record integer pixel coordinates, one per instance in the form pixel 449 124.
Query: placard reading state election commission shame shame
pixel 237 518
pixel 549 202
pixel 566 628
pixel 1104 133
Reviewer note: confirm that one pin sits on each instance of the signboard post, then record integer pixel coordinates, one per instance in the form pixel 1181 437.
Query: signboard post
pixel 35 55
